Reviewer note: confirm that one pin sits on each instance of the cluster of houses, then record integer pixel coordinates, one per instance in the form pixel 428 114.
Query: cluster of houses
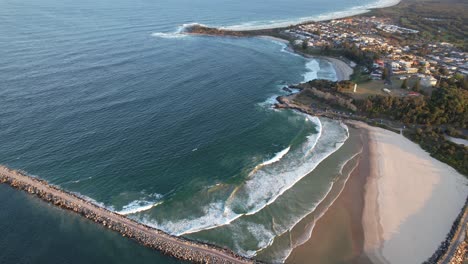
pixel 415 59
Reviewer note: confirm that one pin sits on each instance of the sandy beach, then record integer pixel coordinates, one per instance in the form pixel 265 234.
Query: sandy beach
pixel 338 235
pixel 396 207
pixel 411 200
pixel 342 69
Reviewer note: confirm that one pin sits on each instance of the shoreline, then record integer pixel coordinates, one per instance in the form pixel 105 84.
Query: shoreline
pixel 401 171
pixel 337 235
pixel 355 11
pixel 370 210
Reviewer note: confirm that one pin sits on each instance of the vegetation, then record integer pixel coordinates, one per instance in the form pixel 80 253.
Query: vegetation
pixel 404 84
pixel 328 86
pixel 430 118
pixel 433 141
pixel 442 21
pixel 445 106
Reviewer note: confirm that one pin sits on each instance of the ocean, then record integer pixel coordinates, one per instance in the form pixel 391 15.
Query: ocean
pixel 110 100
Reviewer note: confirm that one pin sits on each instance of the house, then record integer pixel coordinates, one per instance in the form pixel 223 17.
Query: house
pixel 428 81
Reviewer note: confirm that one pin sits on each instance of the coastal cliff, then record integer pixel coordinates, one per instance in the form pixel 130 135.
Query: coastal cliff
pixel 174 246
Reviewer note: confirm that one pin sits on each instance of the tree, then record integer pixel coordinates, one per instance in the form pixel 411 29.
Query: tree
pixel 443 71
pixel 385 74
pixel 305 44
pixel 404 84
pixel 417 86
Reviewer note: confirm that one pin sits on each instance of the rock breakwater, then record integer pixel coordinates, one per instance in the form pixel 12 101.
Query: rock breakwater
pixel 174 246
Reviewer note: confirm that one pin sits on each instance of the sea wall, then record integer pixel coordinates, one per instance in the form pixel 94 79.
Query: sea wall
pixel 174 246
pixel 459 225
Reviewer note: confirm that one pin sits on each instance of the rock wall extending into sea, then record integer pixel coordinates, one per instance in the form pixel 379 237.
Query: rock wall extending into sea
pixel 174 246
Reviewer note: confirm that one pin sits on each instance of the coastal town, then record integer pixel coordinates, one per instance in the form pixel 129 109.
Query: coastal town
pixel 424 62
pixel 392 71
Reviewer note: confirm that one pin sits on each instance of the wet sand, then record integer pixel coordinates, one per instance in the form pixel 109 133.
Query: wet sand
pixel 338 236
pixel 381 216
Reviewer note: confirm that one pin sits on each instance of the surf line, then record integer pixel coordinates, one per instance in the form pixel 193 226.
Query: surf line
pixel 178 247
pixel 277 157
pixel 138 209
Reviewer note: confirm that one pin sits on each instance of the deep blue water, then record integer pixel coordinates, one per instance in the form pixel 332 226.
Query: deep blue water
pixel 104 98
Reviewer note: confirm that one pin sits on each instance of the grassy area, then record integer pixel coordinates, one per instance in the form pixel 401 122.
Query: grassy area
pixel 442 21
pixel 375 87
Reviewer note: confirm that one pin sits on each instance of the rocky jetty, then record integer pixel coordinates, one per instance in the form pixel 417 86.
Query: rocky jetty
pixel 440 256
pixel 174 246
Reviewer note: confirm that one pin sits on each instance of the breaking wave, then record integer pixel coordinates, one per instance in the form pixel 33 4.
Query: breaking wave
pixel 137 206
pixel 214 216
pixel 326 16
pixel 141 205
pixel 277 157
pixel 313 68
pixel 265 184
pixel 179 33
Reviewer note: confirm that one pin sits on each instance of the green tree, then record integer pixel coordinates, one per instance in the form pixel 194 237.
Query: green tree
pixel 404 84
pixel 443 71
pixel 417 86
pixel 385 74
pixel 305 44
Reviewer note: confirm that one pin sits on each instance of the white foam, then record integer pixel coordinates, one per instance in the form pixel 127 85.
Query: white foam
pixel 179 33
pixel 265 189
pixel 326 16
pixel 138 206
pixel 313 68
pixel 169 35
pixel 264 186
pixel 307 234
pixel 314 138
pixel 277 157
pixel 215 215
pixel 269 102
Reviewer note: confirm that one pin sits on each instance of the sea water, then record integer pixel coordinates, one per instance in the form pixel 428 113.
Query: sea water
pixel 109 99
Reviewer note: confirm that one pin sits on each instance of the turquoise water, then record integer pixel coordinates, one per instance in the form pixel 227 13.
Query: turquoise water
pixel 109 100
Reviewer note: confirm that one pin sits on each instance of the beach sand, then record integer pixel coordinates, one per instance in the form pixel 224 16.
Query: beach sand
pixel 411 200
pixel 396 207
pixel 342 69
pixel 338 235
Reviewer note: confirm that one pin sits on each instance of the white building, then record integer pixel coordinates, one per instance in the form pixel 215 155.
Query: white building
pixel 428 81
